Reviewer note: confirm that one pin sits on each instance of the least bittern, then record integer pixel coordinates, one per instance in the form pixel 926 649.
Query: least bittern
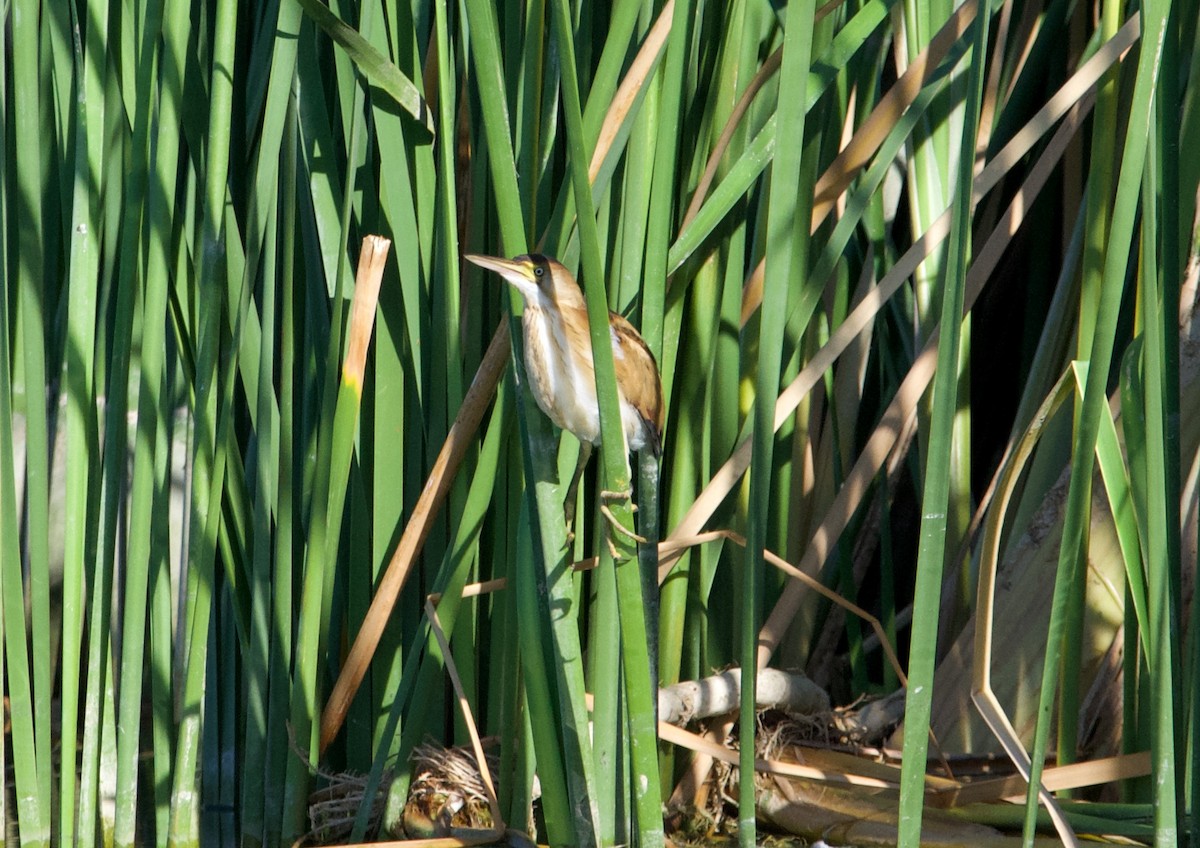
pixel 558 359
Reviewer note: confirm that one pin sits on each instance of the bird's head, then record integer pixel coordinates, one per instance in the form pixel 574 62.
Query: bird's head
pixel 542 281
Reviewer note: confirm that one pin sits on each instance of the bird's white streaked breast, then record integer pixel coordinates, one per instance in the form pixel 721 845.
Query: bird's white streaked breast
pixel 554 375
pixel 565 388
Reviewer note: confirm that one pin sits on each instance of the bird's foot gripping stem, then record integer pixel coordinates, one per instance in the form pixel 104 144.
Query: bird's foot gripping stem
pixel 614 524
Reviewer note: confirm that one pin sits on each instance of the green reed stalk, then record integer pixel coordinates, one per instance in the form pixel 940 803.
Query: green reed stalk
pixel 935 499
pixel 786 277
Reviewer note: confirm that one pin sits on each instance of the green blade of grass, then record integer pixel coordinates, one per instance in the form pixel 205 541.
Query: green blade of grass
pixel 788 214
pixel 265 667
pixel 82 446
pixel 99 744
pixel 935 499
pixel 1161 507
pixel 155 415
pixel 1116 256
pixel 208 462
pixel 133 624
pixel 374 65
pixel 258 657
pixel 278 747
pixel 1117 485
pixel 1098 220
pixel 33 300
pixel 12 608
pixel 565 705
pixel 640 689
pixel 759 153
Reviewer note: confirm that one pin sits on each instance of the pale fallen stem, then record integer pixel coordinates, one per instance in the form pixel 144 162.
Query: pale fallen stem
pixel 695 742
pixel 1056 779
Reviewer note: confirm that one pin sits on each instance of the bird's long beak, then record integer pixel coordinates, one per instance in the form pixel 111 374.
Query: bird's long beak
pixel 518 272
pixel 514 271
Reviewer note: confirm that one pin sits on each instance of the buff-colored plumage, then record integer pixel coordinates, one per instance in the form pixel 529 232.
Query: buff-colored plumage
pixel 558 355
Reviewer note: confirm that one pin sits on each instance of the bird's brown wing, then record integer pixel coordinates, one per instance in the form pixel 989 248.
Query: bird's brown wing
pixel 637 375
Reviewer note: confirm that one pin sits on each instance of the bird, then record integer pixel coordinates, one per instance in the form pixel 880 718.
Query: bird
pixel 558 361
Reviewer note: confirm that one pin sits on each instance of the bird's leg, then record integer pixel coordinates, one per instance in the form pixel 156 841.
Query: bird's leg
pixel 609 496
pixel 585 453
